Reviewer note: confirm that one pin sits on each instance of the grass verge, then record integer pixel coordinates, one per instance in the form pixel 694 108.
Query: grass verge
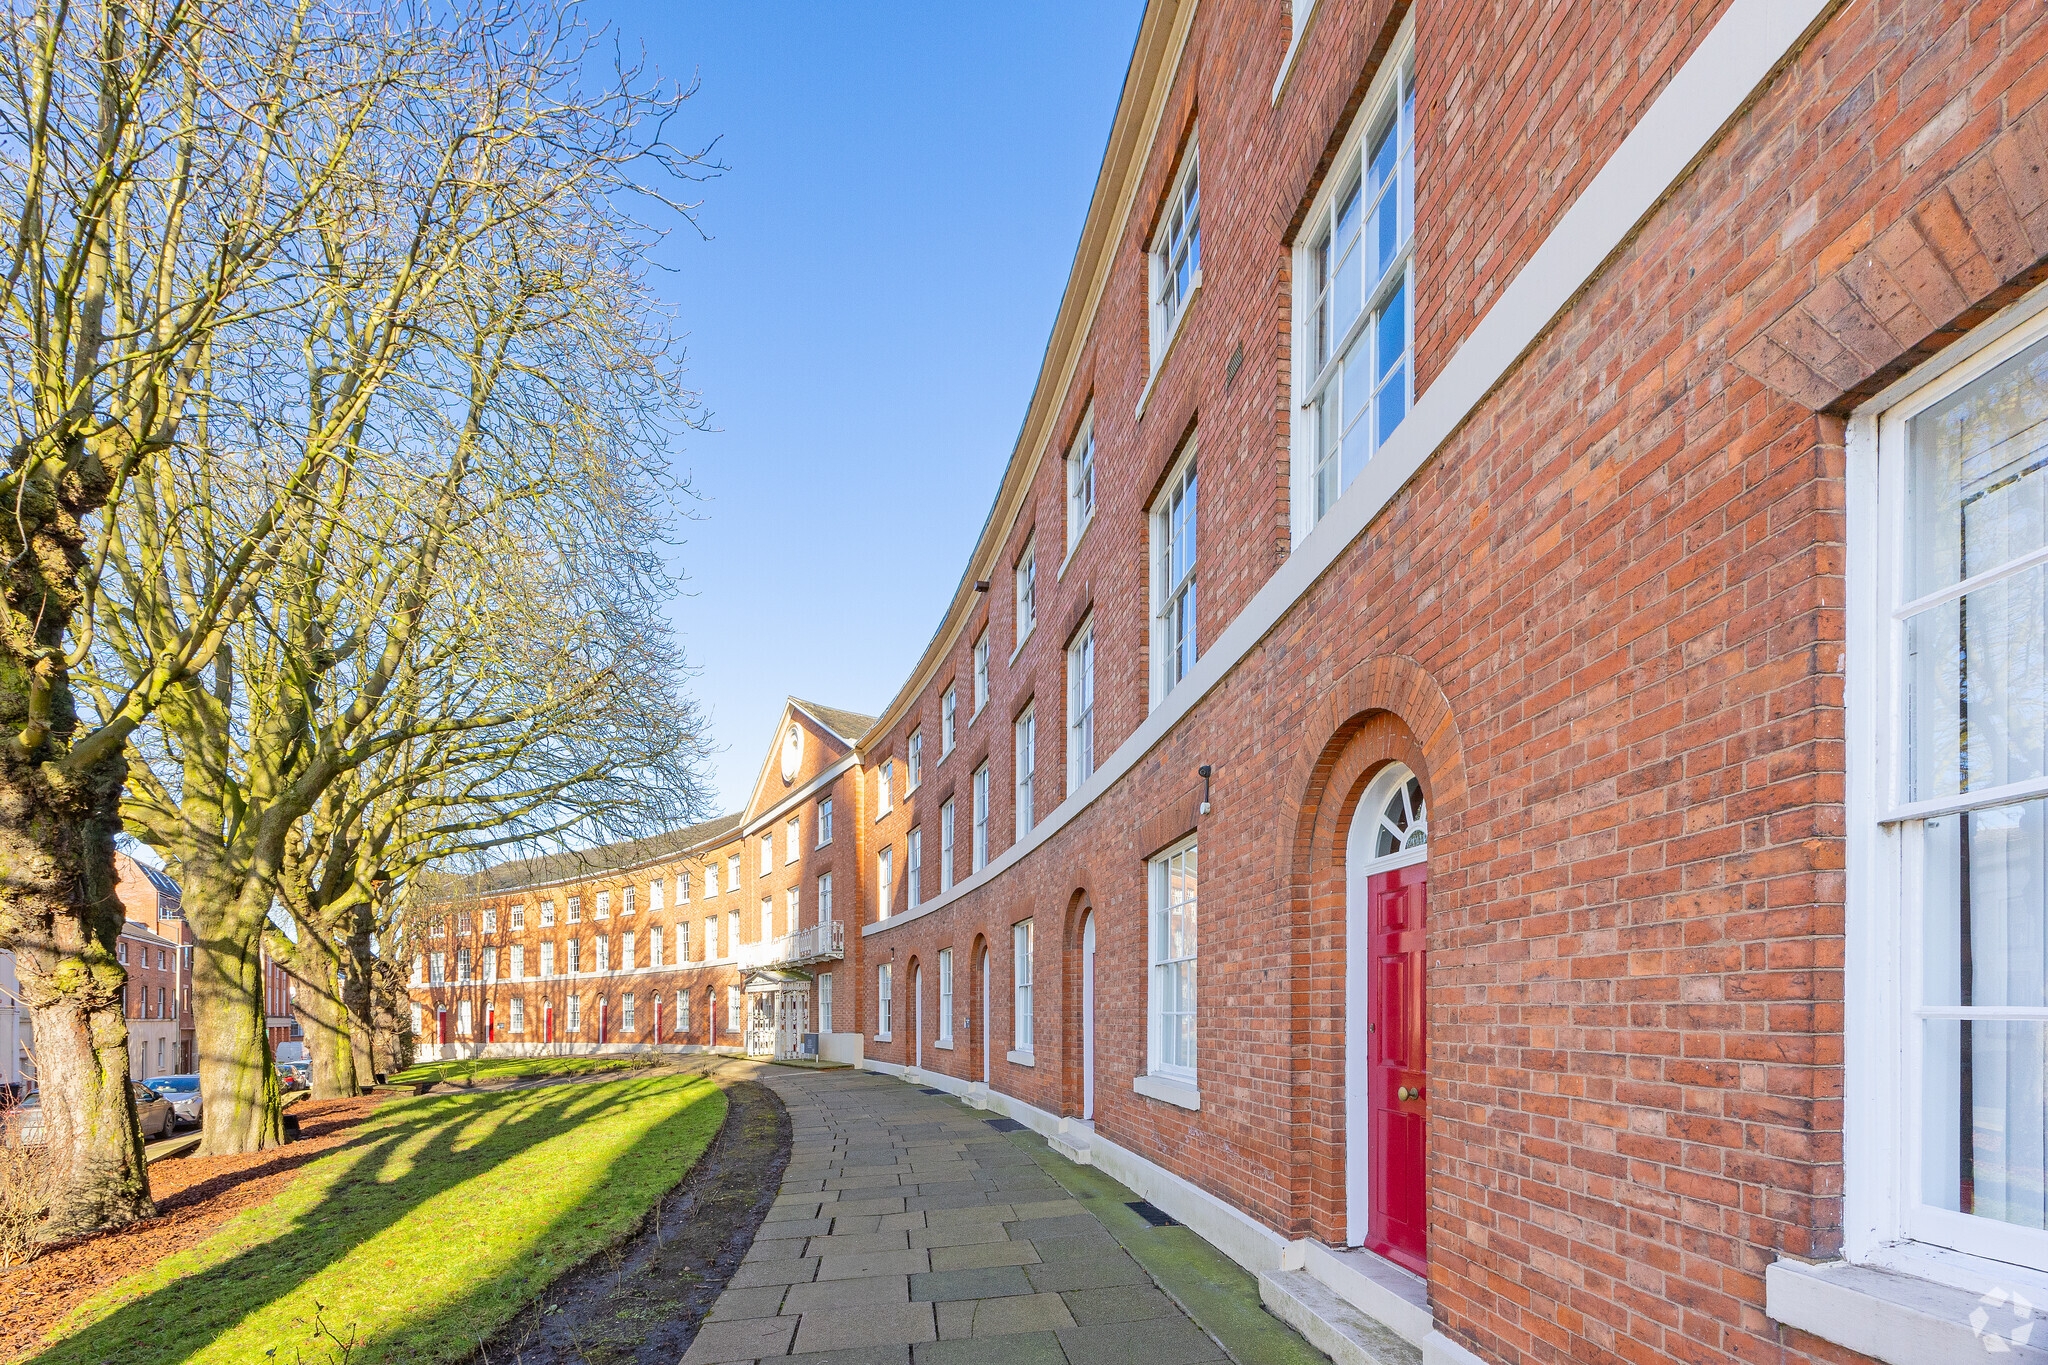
pixel 479 1069
pixel 418 1239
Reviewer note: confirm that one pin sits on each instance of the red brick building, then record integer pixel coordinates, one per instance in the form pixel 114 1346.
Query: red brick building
pixel 151 898
pixel 726 936
pixel 1492 755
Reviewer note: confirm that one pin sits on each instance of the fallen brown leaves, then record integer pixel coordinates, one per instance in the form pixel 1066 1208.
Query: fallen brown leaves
pixel 193 1197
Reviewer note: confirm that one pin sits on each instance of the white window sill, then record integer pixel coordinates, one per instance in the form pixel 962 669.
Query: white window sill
pixel 885 1037
pixel 1166 351
pixel 943 1044
pixel 1902 1318
pixel 1022 1058
pixel 1182 1093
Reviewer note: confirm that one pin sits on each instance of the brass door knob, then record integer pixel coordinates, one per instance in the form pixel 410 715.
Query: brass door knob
pixel 1404 1093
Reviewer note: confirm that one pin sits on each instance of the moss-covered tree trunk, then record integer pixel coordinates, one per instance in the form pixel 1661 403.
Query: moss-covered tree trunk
pixel 237 1076
pixel 56 896
pixel 59 809
pixel 323 1018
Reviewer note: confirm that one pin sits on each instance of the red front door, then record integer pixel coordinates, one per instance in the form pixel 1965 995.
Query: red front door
pixel 1398 1228
pixel 441 1026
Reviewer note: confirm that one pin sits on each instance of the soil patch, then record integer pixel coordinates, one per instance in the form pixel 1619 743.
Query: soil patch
pixel 642 1302
pixel 194 1195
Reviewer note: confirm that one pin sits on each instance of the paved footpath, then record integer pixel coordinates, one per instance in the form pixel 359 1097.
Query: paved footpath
pixel 911 1230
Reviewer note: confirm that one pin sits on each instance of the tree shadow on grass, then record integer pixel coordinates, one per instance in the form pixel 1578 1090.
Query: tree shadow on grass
pixel 429 1147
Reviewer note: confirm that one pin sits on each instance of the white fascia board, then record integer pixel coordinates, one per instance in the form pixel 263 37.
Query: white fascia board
pixel 1736 57
pixel 800 795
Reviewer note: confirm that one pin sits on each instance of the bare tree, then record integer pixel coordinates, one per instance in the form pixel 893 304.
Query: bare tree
pixel 197 191
pixel 162 161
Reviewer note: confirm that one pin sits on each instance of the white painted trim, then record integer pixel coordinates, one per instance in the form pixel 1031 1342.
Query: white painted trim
pixel 796 798
pixel 1374 1285
pixel 1898 1318
pixel 1183 1093
pixel 1882 1212
pixel 1022 1057
pixel 1742 49
pixel 1296 34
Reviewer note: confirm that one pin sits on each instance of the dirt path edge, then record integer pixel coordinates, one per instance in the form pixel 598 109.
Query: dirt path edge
pixel 642 1300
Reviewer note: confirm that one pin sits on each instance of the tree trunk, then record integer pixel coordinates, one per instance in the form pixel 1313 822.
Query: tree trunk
pixel 59 916
pixel 356 993
pixel 237 1076
pixel 323 1019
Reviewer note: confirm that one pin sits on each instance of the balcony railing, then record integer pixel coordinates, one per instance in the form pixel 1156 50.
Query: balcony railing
pixel 819 943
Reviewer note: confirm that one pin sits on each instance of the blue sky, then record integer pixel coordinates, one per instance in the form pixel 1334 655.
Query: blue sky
pixel 906 184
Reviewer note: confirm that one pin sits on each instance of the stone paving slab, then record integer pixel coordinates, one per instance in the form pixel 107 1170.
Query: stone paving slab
pixel 910 1232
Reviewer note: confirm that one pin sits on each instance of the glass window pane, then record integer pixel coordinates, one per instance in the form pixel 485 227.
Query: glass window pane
pixel 1393 330
pixel 1393 403
pixel 1978 475
pixel 1984 1134
pixel 1986 907
pixel 1977 688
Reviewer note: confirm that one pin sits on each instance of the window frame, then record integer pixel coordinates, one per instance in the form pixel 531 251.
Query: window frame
pixel 1886 1221
pixel 981 675
pixel 825 822
pixel 1024 580
pixel 1391 92
pixel 1177 207
pixel 913 867
pixel 885 788
pixel 1182 481
pixel 1081 484
pixel 1081 705
pixel 824 898
pixel 1025 771
pixel 885 986
pixel 949 819
pixel 885 872
pixel 949 720
pixel 1157 873
pixel 792 839
pixel 979 858
pixel 1021 968
pixel 945 1034
pixel 913 761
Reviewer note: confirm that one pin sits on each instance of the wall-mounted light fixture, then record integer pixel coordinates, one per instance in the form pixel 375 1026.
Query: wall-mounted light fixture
pixel 981 585
pixel 1204 771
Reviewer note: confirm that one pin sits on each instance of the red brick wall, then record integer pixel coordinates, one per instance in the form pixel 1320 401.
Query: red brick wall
pixel 1604 624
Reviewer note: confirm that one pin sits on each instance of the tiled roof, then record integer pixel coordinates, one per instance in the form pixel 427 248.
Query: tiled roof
pixel 586 862
pixel 848 725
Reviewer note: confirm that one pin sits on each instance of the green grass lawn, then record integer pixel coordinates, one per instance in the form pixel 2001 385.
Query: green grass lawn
pixel 518 1068
pixel 433 1227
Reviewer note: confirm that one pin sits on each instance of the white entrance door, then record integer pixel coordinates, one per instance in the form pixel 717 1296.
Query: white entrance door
pixel 984 1017
pixel 1088 1018
pixel 917 1010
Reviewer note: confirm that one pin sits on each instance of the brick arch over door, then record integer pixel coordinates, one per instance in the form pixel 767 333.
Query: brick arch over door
pixel 1387 709
pixel 1079 907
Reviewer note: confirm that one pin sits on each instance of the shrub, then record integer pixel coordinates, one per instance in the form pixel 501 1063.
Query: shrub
pixel 24 1190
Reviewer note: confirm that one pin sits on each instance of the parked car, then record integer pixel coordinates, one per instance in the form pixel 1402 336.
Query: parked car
pixel 25 1122
pixel 289 1080
pixel 183 1093
pixel 152 1111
